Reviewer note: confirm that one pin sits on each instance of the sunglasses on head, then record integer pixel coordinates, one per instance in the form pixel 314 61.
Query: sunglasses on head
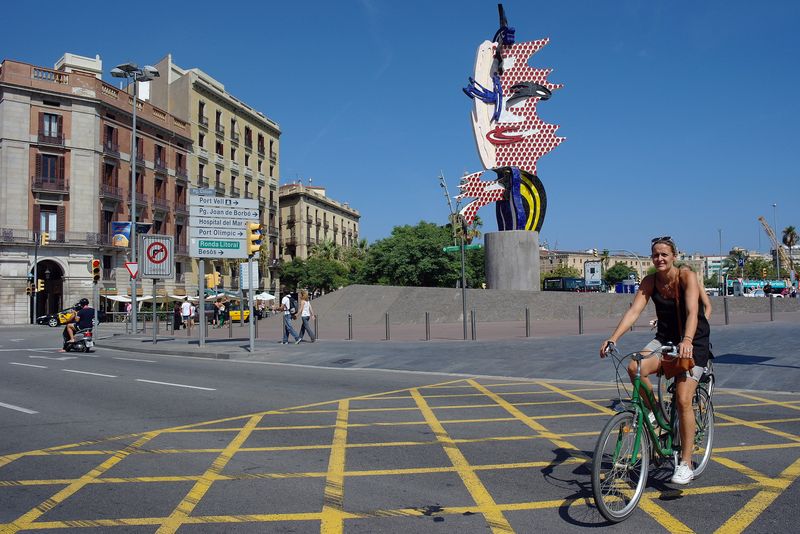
pixel 662 238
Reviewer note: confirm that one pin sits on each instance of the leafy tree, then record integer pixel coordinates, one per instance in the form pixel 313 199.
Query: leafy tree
pixel 412 256
pixel 617 273
pixel 790 239
pixel 292 273
pixel 754 268
pixel 563 271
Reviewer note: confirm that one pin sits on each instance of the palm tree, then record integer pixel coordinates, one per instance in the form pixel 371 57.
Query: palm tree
pixel 790 238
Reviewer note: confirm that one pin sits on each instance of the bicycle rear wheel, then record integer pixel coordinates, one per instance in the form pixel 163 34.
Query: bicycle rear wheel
pixel 704 433
pixel 619 478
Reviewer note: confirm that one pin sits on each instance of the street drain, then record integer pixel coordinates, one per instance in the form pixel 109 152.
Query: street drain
pixel 343 361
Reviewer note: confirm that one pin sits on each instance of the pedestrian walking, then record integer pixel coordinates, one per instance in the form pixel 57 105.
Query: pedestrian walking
pixel 186 312
pixel 289 309
pixel 306 314
pixel 176 317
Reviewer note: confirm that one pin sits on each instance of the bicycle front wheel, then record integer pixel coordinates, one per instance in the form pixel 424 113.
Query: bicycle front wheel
pixel 619 477
pixel 704 433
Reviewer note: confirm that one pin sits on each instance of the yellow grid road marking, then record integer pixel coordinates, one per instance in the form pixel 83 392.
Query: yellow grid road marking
pixel 333 507
pixel 481 496
pixel 591 404
pixel 757 426
pixel 785 404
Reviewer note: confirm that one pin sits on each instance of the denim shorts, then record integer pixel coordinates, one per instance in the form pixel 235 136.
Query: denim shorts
pixel 695 374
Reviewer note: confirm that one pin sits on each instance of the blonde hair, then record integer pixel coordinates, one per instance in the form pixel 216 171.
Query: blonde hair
pixel 665 241
pixel 304 294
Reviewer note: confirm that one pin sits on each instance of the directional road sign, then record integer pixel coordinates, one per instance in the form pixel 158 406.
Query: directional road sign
pixel 247 279
pixel 224 212
pixel 456 248
pixel 217 248
pixel 223 202
pixel 218 233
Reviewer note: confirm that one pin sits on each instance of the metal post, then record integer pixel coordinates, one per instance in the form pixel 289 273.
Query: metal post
pixel 35 274
pixel 144 324
pixel 427 326
pixel 349 326
pixel 630 305
pixel 527 322
pixel 472 321
pixel 250 294
pixel 241 302
pixel 155 319
pixel 777 243
pixel 133 206
pixel 388 336
pixel 771 307
pixel 725 308
pixel 96 299
pixel 230 327
pixel 464 289
pixel 316 327
pixel 580 319
pixel 201 282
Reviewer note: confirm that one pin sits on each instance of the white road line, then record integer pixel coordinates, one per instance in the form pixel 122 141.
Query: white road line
pixel 133 360
pixel 88 373
pixel 29 365
pixel 18 408
pixel 176 385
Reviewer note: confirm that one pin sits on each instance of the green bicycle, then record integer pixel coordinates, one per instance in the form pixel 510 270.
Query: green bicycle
pixel 622 456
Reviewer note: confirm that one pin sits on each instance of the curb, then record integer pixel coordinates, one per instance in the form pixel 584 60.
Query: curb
pixel 143 350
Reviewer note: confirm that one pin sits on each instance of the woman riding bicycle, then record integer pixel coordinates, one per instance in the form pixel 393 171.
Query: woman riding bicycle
pixel 681 321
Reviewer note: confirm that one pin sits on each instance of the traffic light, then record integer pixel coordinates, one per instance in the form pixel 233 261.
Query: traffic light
pixel 39 285
pixel 253 238
pixel 763 272
pixel 95 270
pixel 28 289
pixel 44 239
pixel 215 276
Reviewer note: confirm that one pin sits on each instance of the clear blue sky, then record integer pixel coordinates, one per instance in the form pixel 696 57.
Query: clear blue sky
pixel 680 116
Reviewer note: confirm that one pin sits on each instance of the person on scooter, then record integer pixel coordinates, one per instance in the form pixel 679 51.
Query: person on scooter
pixel 84 319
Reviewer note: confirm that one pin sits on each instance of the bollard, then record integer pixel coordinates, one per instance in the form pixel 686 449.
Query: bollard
pixel 388 337
pixel 527 322
pixel 255 325
pixel 316 328
pixel 427 326
pixel 630 305
pixel 349 327
pixel 580 319
pixel 725 308
pixel 771 307
pixel 472 323
pixel 230 327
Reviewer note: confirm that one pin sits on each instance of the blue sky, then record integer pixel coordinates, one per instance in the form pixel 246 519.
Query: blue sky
pixel 680 116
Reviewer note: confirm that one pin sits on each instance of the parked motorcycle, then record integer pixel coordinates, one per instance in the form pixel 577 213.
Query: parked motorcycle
pixel 82 342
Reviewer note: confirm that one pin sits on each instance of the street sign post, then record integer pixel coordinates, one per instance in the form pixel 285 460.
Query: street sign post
pixel 223 202
pixel 248 278
pixel 157 258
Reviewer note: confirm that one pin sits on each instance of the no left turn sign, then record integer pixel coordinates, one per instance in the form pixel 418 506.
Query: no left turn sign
pixel 157 252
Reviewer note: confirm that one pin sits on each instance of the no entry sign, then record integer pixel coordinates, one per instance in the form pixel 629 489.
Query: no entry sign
pixel 156 258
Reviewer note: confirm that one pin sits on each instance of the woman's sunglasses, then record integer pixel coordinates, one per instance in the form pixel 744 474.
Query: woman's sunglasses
pixel 662 238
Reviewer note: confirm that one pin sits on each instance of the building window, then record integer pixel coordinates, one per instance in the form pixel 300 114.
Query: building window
pixel 261 143
pixel 247 160
pixel 271 170
pixel 49 167
pixel 48 219
pixel 248 137
pixel 220 149
pixel 201 170
pixel 233 154
pixel 50 125
pixel 201 139
pixel 259 165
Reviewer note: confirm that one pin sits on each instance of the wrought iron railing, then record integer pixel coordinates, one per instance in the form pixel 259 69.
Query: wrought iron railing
pixel 43 183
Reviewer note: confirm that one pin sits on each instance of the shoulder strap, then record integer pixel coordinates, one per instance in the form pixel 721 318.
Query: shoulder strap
pixel 678 304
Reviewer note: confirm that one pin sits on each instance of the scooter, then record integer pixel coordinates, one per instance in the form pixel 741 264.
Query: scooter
pixel 82 341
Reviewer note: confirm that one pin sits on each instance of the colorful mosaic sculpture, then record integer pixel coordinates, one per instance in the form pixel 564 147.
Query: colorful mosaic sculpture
pixel 509 134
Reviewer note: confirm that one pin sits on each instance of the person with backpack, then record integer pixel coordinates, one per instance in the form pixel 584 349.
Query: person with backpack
pixel 289 309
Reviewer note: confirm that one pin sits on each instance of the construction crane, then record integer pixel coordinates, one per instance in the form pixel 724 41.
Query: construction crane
pixel 781 253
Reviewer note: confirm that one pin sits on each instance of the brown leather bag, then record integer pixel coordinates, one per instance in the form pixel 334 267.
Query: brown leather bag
pixel 672 366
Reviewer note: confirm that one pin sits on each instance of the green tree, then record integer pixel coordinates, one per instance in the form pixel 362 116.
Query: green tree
pixel 790 239
pixel 755 268
pixel 412 256
pixel 617 273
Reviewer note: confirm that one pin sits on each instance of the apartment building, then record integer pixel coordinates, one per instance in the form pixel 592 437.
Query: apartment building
pixel 550 260
pixel 235 152
pixel 65 169
pixel 310 217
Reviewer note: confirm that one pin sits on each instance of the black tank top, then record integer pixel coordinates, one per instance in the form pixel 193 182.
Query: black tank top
pixel 669 329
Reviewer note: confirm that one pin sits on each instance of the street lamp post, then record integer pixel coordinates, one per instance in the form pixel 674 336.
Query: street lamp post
pixel 777 241
pixel 135 74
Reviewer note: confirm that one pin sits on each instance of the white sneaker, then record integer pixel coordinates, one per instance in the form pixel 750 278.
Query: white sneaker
pixel 683 474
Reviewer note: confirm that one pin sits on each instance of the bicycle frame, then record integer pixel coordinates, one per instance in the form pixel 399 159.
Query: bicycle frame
pixel 640 410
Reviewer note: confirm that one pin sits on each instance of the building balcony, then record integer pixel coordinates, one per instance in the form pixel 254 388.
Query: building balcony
pixel 248 172
pixel 335 227
pixel 110 148
pixel 202 181
pixel 248 144
pixel 110 192
pixel 273 207
pixel 182 174
pixel 141 199
pixel 49 185
pixel 326 225
pixel 234 167
pixel 219 159
pixel 220 187
pixel 219 130
pixel 273 231
pixel 160 165
pixel 160 204
pixel 139 158
pixel 273 156
pixel 261 178
pixel 291 241
pixel 235 191
pixel 202 120
pixel 51 139
pixel 261 151
pixel 202 153
pixel 248 194
pixel 181 208
pixel 108 274
pixel 290 219
pixel 235 137
pixel 181 249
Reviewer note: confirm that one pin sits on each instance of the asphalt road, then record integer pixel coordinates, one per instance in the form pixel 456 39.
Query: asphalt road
pixel 289 440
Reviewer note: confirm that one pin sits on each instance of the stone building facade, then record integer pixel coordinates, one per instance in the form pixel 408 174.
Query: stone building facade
pixel 309 217
pixel 235 151
pixel 65 139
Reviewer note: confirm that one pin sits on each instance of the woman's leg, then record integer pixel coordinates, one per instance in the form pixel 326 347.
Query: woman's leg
pixel 684 392
pixel 649 366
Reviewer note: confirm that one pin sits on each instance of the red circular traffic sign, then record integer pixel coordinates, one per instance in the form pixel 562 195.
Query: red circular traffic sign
pixel 157 252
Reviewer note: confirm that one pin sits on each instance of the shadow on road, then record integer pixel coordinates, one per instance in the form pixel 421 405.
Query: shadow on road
pixel 747 359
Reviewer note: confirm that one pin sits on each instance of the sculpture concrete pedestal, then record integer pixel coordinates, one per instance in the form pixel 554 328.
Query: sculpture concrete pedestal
pixel 512 260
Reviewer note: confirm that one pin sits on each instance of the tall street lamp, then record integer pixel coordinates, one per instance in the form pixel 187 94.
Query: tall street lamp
pixel 135 74
pixel 777 241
